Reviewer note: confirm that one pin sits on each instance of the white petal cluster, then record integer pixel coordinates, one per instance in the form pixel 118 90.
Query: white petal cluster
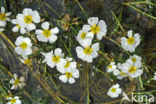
pixel 4 17
pixel 17 82
pixel 114 91
pixel 23 46
pixel 130 42
pixel 47 34
pixel 14 100
pixel 84 36
pixel 121 73
pixel 26 21
pixel 17 27
pixel 88 50
pixel 69 75
pixel 132 67
pixel 54 58
pixel 66 66
pixel 96 27
pixel 112 68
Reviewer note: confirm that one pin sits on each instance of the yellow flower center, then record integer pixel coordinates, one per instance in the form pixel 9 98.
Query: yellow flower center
pixel 28 19
pixel 23 45
pixel 83 35
pixel 18 25
pixel 68 75
pixel 132 69
pixel 13 101
pixel 95 29
pixel 113 89
pixel 47 33
pixel 88 50
pixel 16 82
pixel 28 62
pixel 3 17
pixel 122 73
pixel 56 59
pixel 110 66
pixel 134 59
pixel 67 64
pixel 131 40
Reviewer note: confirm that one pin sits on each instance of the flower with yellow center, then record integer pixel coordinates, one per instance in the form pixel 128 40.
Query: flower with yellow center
pixel 14 100
pixel 26 60
pixel 17 82
pixel 47 34
pixel 69 64
pixel 54 58
pixel 96 27
pixel 3 18
pixel 136 60
pixel 17 27
pixel 114 91
pixel 84 36
pixel 69 75
pixel 133 70
pixel 121 73
pixel 87 52
pixel 130 43
pixel 23 46
pixel 28 18
pixel 112 68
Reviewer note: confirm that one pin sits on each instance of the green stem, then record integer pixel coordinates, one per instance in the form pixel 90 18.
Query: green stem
pixel 117 21
pixel 87 79
pixel 116 44
pixel 140 2
pixel 82 9
pixel 141 84
pixel 3 90
pixel 139 10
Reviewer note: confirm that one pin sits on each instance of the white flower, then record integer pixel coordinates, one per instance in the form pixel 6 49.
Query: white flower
pixel 130 43
pixel 154 78
pixel 136 59
pixel 87 52
pixel 17 82
pixel 28 18
pixel 114 91
pixel 96 27
pixel 112 68
pixel 121 73
pixel 17 27
pixel 54 58
pixel 4 17
pixel 47 34
pixel 69 75
pixel 14 100
pixel 1 29
pixel 23 46
pixel 26 60
pixel 133 70
pixel 69 64
pixel 84 36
